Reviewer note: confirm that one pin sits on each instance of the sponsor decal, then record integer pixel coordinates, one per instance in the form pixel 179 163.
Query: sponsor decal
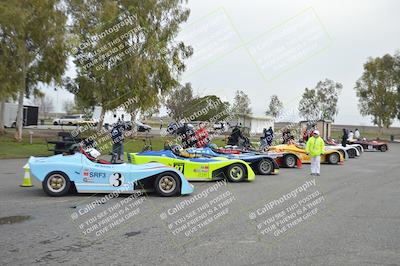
pixel 88 180
pixel 92 174
pixel 86 172
pixel 202 169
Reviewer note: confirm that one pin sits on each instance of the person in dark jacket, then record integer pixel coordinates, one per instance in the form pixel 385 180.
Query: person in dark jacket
pixel 344 137
pixel 117 137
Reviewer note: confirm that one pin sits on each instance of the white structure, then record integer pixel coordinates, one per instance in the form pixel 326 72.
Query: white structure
pixel 111 117
pixel 256 124
pixel 10 114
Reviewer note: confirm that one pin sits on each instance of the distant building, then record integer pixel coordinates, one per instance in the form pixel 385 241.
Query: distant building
pixel 324 127
pixel 255 124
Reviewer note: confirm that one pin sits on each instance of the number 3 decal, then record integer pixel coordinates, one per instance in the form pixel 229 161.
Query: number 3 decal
pixel 116 179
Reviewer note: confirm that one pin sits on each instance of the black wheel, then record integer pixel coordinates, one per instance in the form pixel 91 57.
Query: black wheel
pixel 14 125
pixel 352 153
pixel 70 124
pixel 359 149
pixel 167 184
pixel 383 148
pixel 265 167
pixel 289 161
pixel 334 158
pixel 236 172
pixel 55 123
pixel 56 184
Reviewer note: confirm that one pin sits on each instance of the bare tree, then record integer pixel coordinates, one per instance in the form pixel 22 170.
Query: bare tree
pixel 275 106
pixel 45 105
pixel 69 106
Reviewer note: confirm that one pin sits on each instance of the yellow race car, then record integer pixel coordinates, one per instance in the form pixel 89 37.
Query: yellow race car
pixel 330 156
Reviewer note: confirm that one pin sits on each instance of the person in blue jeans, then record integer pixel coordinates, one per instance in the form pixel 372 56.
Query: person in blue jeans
pixel 117 137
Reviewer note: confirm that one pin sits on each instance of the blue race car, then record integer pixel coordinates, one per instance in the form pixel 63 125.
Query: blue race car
pixel 61 173
pixel 261 163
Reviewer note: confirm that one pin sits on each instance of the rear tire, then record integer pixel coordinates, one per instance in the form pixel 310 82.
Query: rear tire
pixel 236 173
pixel 265 167
pixel 334 158
pixel 352 153
pixel 290 161
pixel 383 148
pixel 56 184
pixel 167 184
pixel 359 149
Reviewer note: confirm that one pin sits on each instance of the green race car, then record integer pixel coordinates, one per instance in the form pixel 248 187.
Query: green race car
pixel 196 168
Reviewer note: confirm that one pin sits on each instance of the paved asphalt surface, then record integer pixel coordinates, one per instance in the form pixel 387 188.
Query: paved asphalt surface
pixel 351 216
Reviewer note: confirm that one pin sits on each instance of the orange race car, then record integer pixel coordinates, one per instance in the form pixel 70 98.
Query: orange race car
pixel 330 156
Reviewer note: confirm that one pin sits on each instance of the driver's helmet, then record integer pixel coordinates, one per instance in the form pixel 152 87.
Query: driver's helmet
pixel 176 148
pixel 93 152
pixel 213 146
pixel 364 139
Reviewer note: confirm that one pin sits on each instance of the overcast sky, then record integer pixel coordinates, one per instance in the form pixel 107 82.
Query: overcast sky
pixel 241 44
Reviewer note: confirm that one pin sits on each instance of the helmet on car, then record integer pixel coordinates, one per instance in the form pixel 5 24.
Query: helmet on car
pixel 93 152
pixel 176 148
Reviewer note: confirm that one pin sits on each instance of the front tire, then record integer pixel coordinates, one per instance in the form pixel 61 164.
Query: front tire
pixel 167 184
pixel 383 148
pixel 289 161
pixel 236 173
pixel 265 167
pixel 334 158
pixel 56 184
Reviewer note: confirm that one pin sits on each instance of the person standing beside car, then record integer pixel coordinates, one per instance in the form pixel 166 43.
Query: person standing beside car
pixel 344 137
pixel 315 147
pixel 201 136
pixel 357 134
pixel 117 137
pixel 351 136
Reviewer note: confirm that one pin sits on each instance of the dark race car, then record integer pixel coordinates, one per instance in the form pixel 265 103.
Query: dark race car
pixel 372 145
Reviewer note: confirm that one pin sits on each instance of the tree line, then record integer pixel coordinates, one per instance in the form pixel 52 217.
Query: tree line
pixel 38 37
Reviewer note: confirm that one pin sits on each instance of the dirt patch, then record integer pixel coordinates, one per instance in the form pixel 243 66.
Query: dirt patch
pixel 14 219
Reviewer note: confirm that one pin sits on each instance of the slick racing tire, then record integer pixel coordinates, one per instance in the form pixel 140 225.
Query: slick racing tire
pixel 289 161
pixel 359 149
pixel 56 184
pixel 236 172
pixel 352 153
pixel 265 167
pixel 334 158
pixel 383 148
pixel 167 184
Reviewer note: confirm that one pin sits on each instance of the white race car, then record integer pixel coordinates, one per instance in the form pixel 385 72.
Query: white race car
pixel 353 150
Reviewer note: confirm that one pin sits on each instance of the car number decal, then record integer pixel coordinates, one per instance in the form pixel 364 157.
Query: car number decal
pixel 180 167
pixel 116 179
